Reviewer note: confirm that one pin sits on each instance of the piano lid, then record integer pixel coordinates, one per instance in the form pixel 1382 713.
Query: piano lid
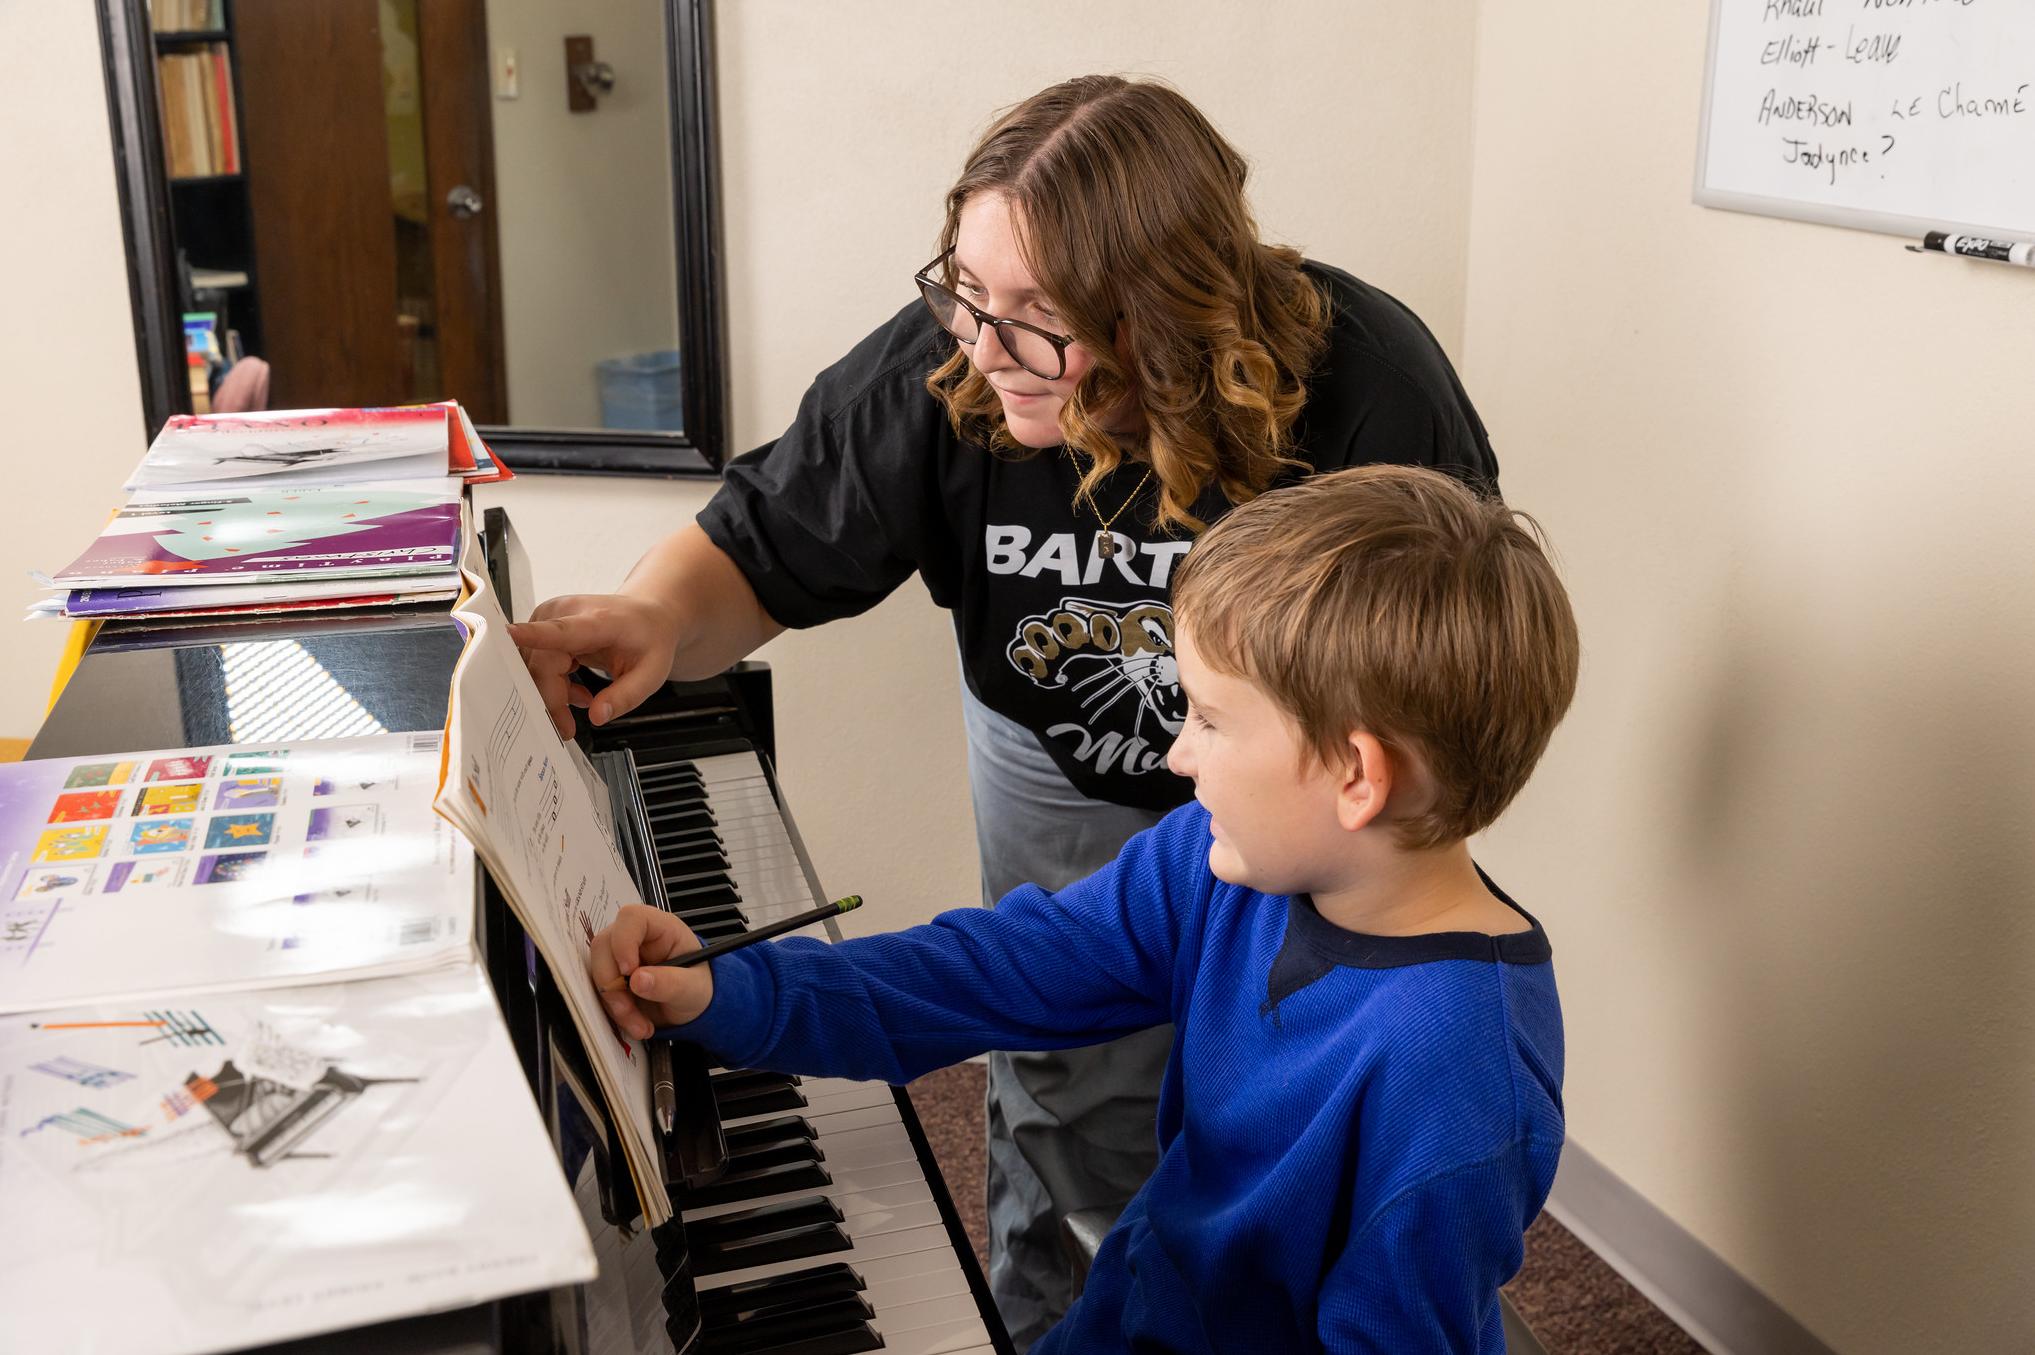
pixel 303 677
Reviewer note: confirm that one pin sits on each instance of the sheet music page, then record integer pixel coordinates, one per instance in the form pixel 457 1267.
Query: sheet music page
pixel 240 1169
pixel 190 870
pixel 511 787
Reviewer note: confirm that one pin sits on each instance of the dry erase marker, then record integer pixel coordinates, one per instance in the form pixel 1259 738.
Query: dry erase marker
pixel 2019 252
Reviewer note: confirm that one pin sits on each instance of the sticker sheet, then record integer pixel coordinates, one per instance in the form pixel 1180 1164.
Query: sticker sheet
pixel 193 870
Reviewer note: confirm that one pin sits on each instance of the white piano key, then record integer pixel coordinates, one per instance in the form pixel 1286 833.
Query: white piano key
pixel 938 1338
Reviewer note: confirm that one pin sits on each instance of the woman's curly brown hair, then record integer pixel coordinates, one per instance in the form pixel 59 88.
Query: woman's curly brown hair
pixel 1131 215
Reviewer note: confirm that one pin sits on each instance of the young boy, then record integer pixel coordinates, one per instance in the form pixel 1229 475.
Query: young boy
pixel 1362 1112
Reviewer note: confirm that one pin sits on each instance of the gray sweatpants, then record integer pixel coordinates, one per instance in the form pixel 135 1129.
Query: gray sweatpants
pixel 1070 1129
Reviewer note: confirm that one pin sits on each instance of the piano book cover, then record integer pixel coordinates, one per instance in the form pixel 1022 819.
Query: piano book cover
pixel 191 1174
pixel 371 529
pixel 184 871
pixel 297 595
pixel 319 445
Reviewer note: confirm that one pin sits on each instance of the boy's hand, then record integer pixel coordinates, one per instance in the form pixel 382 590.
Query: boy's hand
pixel 640 994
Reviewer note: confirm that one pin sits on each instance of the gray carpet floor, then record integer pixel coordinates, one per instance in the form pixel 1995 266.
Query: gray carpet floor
pixel 1575 1304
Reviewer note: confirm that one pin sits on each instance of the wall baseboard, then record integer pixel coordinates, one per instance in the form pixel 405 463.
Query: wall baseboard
pixel 1694 1286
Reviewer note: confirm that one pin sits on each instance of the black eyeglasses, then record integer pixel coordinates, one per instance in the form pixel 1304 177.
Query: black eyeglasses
pixel 1043 355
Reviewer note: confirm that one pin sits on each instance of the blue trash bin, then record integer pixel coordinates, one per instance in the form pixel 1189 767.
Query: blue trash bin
pixel 641 391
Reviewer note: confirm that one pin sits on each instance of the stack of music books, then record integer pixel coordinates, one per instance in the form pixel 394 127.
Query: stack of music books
pixel 238 514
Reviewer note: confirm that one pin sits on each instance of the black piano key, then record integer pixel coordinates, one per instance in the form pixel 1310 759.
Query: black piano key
pixel 708 875
pixel 725 913
pixel 718 931
pixel 702 896
pixel 695 853
pixel 681 871
pixel 664 771
pixel 753 1182
pixel 749 1096
pixel 830 1326
pixel 683 820
pixel 694 843
pixel 820 1282
pixel 760 1102
pixel 767 1233
pixel 794 1148
pixel 763 1221
pixel 735 1080
pixel 651 773
pixel 765 1133
pixel 791 1244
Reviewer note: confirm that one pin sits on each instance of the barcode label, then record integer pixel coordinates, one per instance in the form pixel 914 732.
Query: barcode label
pixel 428 741
pixel 417 931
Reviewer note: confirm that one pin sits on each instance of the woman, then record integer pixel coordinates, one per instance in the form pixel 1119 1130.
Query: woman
pixel 1102 360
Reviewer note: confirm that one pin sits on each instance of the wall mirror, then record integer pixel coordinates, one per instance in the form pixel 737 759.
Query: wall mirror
pixel 508 202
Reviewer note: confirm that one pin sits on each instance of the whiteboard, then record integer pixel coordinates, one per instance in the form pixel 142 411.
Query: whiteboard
pixel 1890 115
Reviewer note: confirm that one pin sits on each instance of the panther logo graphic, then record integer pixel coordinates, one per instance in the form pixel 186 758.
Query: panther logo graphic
pixel 1116 662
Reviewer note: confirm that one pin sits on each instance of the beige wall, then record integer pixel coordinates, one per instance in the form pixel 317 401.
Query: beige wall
pixel 68 376
pixel 1783 841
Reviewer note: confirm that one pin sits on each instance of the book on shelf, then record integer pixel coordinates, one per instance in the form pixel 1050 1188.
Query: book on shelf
pixel 200 132
pixel 186 16
pixel 257 1084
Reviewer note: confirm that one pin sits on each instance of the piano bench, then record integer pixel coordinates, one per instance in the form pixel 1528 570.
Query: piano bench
pixel 1083 1231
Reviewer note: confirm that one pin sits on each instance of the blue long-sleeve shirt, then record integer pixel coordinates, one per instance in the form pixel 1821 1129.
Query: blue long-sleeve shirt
pixel 1354 1130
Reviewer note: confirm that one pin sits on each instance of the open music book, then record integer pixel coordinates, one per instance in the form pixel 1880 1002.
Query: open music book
pixel 510 785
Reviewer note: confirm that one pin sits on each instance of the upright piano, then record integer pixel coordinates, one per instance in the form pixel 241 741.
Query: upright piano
pixel 812 1218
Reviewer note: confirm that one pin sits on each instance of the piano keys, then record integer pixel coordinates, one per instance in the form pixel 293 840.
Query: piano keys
pixel 824 1227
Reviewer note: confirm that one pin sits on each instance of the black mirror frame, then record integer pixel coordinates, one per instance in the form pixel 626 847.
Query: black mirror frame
pixel 128 52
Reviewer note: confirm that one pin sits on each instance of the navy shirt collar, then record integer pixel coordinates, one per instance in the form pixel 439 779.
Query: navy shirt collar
pixel 1314 946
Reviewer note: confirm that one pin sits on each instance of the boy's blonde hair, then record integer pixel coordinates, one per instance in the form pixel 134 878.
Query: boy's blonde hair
pixel 1394 600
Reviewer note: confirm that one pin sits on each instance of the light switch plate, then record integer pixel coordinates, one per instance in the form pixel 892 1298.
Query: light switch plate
pixel 508 74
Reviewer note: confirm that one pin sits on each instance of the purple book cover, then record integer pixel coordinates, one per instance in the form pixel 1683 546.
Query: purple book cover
pixel 257 534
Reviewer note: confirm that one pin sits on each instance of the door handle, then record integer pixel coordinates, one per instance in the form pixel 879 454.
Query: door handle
pixel 464 203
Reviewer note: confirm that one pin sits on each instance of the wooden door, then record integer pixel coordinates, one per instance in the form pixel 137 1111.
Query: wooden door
pixel 352 314
pixel 459 153
pixel 317 158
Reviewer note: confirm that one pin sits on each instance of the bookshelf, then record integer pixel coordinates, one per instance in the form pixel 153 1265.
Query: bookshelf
pixel 211 221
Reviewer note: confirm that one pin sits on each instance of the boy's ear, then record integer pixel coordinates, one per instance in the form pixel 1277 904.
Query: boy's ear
pixel 1367 781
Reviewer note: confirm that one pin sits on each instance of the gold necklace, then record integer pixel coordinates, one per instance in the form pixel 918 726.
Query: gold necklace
pixel 1106 543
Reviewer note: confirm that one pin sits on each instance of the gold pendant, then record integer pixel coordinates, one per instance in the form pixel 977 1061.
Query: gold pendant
pixel 1105 545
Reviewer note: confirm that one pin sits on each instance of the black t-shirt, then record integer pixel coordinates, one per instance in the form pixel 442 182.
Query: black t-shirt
pixel 870 484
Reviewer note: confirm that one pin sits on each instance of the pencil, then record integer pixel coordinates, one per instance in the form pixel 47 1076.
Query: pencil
pixel 839 906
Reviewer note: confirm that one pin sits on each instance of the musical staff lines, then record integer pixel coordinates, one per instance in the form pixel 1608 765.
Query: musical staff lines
pixel 89 1125
pixel 84 1074
pixel 183 1029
